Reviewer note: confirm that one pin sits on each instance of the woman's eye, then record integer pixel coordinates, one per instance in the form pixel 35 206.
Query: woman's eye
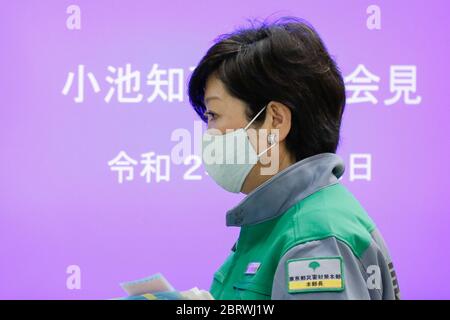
pixel 210 115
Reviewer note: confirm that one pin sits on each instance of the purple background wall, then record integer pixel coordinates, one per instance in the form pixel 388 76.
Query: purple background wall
pixel 61 205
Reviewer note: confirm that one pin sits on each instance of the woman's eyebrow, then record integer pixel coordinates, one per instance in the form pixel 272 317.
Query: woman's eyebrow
pixel 210 98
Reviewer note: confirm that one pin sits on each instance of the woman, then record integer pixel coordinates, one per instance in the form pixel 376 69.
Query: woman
pixel 273 99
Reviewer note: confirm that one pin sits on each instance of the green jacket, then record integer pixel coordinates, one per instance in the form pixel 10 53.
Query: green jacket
pixel 304 236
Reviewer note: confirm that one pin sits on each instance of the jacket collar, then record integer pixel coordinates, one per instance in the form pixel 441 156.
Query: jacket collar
pixel 283 190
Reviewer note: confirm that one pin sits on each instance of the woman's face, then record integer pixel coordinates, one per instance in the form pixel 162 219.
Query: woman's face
pixel 225 112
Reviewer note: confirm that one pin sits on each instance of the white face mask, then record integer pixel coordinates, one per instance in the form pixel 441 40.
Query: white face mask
pixel 230 166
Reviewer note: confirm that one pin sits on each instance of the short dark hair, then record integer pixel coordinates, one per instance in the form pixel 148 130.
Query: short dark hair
pixel 284 61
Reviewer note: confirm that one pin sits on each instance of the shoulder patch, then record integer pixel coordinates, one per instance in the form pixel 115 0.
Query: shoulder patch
pixel 315 274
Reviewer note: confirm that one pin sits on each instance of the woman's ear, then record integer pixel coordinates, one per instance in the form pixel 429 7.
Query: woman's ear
pixel 279 117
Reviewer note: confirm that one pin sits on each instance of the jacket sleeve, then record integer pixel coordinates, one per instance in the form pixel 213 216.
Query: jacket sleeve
pixel 321 269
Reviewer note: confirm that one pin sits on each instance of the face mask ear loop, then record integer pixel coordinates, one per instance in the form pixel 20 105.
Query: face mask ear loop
pixel 248 125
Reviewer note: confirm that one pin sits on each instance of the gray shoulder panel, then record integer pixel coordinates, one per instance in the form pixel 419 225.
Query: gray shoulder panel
pixel 367 278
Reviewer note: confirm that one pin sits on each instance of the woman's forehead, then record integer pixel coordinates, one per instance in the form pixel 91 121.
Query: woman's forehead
pixel 214 88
